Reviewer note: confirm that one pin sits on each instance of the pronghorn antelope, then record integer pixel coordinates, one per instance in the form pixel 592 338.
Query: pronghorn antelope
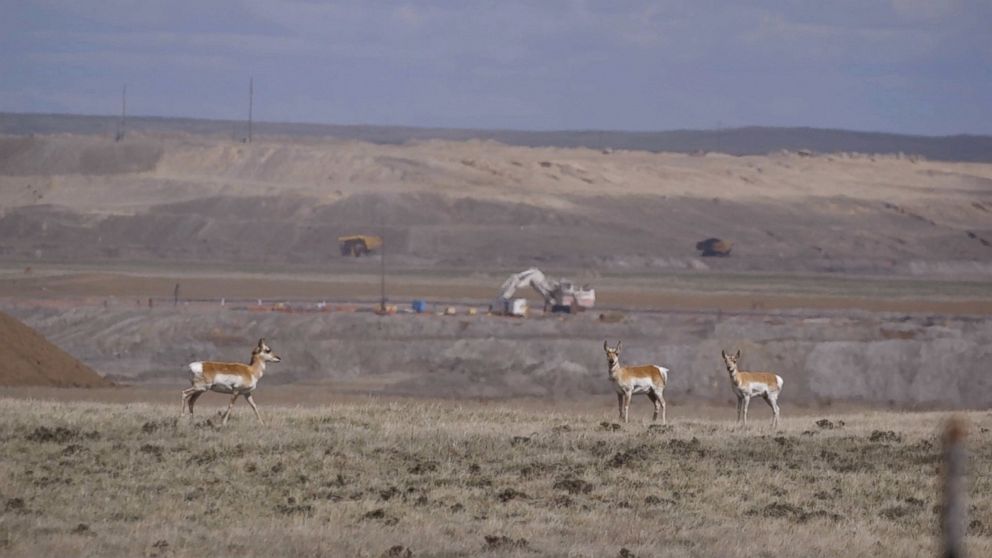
pixel 648 379
pixel 234 378
pixel 749 384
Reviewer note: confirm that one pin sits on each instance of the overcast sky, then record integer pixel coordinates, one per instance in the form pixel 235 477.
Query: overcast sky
pixel 909 66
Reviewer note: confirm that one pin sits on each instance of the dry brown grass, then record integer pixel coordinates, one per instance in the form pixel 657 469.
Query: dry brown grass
pixel 439 479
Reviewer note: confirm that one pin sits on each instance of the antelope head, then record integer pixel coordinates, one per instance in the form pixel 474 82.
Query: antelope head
pixel 612 355
pixel 731 361
pixel 264 352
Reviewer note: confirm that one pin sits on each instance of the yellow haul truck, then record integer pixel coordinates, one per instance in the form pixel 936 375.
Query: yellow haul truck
pixel 358 244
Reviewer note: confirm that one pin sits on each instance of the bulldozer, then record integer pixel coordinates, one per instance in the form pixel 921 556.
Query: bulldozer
pixel 358 244
pixel 559 295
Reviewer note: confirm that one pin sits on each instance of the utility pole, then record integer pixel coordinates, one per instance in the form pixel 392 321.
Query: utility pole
pixel 251 102
pixel 120 125
pixel 382 271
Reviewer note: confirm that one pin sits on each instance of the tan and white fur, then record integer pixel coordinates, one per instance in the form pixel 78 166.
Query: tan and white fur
pixel 649 379
pixel 235 378
pixel 750 384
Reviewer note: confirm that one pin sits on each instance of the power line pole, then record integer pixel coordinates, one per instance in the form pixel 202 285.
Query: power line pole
pixel 382 270
pixel 120 125
pixel 251 102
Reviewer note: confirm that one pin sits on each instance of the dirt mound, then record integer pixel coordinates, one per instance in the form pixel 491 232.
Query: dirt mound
pixel 27 358
pixel 480 205
pixel 84 156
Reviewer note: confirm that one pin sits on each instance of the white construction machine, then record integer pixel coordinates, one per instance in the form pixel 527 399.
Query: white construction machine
pixel 559 296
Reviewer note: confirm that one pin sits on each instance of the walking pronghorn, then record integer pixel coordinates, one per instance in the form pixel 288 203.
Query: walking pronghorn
pixel 748 384
pixel 648 379
pixel 229 377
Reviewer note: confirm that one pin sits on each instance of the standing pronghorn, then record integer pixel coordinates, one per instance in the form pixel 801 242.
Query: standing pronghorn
pixel 228 377
pixel 748 384
pixel 648 379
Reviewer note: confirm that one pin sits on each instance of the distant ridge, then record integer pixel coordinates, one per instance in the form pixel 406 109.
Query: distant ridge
pixel 733 141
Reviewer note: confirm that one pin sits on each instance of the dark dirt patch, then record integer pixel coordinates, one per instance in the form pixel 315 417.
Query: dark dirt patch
pixel 894 513
pixel 480 482
pixel 59 434
pixel 978 529
pixel 81 529
pixel 653 500
pixel 562 502
pixel 153 450
pixel 398 551
pixel 519 440
pixel 784 442
pixel 535 469
pixel 794 513
pixel 502 542
pixel 628 457
pixel 610 426
pixel 424 467
pixel 573 485
pixel 154 426
pixel 626 553
pixel 826 424
pixel 126 517
pixel 819 514
pixel 51 480
pixel 778 509
pixel 881 436
pixel 292 507
pixel 159 548
pixel 73 449
pixel 15 505
pixel 204 458
pixel 510 494
pixel 380 514
pixel 916 502
pixel 388 493
pixel 847 463
pixel 687 447
pixel 599 449
pixel 824 495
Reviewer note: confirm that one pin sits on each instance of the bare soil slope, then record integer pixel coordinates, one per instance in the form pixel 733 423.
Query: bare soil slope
pixel 483 204
pixel 27 358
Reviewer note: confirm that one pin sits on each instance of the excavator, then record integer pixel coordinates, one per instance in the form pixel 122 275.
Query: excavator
pixel 559 296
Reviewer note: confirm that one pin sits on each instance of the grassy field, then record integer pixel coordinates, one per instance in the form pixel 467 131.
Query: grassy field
pixel 416 478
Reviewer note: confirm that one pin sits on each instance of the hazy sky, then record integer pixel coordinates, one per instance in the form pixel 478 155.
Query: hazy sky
pixel 913 66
